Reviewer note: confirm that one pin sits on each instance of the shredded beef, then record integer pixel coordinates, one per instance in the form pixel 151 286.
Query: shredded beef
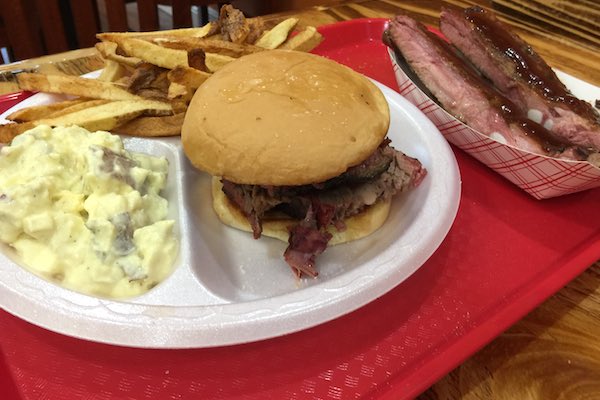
pixel 233 24
pixel 306 242
pixel 148 81
pixel 379 177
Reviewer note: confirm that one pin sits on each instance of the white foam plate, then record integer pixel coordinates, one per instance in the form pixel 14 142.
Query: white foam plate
pixel 226 287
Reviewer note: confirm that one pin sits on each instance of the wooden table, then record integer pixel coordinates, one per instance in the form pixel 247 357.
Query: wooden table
pixel 554 352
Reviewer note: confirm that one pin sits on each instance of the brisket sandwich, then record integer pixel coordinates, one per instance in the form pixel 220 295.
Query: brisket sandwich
pixel 297 148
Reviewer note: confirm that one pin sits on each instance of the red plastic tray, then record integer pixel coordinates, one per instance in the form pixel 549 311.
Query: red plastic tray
pixel 505 254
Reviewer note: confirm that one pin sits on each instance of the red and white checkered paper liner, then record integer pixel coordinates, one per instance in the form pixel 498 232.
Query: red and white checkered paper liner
pixel 540 176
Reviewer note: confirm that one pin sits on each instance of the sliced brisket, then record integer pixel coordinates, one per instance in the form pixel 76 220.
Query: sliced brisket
pixel 385 173
pixel 307 241
pixel 148 81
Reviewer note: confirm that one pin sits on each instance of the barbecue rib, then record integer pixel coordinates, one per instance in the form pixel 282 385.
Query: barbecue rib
pixel 521 75
pixel 469 97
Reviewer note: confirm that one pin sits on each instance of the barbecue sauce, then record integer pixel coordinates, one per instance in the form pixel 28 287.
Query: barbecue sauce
pixel 528 64
pixel 549 142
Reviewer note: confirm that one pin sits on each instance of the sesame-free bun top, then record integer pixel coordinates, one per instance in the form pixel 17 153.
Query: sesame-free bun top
pixel 283 117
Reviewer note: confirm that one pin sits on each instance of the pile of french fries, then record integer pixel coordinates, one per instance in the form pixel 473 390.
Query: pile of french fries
pixel 149 77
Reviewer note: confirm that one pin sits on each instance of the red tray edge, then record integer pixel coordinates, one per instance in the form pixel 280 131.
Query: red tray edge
pixel 518 306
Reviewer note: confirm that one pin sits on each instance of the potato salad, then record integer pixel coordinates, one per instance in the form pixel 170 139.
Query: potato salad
pixel 83 212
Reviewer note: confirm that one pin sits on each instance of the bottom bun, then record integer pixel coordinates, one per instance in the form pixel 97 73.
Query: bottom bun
pixel 358 226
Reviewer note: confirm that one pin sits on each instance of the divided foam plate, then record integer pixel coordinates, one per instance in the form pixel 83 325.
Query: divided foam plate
pixel 228 288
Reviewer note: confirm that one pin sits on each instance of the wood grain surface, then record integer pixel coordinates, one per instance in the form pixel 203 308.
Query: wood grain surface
pixel 565 33
pixel 554 352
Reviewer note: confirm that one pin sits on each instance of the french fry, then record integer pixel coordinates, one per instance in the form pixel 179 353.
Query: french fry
pixel 150 77
pixel 273 38
pixel 179 92
pixel 113 71
pixel 305 40
pixel 209 46
pixel 153 53
pixel 215 61
pixel 76 107
pixel 188 77
pixel 169 125
pixel 191 32
pixel 9 131
pixel 94 119
pixel 100 117
pixel 42 111
pixel 179 105
pixel 108 51
pixel 73 85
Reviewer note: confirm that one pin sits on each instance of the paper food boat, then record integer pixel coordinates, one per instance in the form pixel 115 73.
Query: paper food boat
pixel 540 176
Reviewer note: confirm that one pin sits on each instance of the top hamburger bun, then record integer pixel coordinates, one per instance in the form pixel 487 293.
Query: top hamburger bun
pixel 283 118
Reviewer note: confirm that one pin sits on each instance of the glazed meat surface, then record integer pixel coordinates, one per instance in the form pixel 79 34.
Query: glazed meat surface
pixel 469 97
pixel 521 75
